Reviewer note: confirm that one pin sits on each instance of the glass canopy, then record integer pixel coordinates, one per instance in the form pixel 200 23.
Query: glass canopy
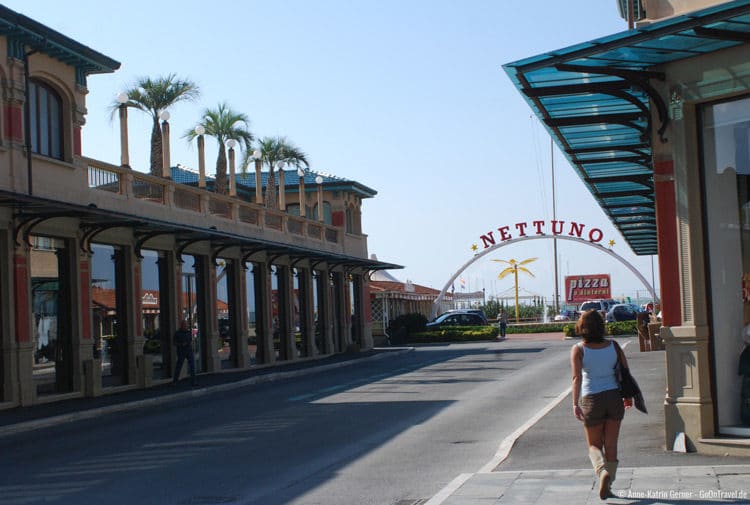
pixel 596 100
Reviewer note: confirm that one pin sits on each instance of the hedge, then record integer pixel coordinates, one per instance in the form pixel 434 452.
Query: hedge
pixel 456 334
pixel 617 328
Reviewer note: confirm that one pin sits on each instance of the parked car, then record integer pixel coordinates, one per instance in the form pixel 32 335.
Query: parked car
pixel 457 319
pixel 478 312
pixel 602 306
pixel 621 312
pixel 567 315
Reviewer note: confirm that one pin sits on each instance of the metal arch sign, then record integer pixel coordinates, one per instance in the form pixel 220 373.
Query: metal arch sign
pixel 576 232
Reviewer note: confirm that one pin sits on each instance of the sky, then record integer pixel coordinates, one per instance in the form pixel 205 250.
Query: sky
pixel 407 97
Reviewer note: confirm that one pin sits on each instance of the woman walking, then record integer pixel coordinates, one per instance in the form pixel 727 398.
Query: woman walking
pixel 596 396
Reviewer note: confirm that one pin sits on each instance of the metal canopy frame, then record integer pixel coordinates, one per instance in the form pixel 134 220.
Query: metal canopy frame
pixel 30 211
pixel 597 101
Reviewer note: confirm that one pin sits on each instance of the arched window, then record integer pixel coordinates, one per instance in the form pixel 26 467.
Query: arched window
pixel 327 217
pixel 46 120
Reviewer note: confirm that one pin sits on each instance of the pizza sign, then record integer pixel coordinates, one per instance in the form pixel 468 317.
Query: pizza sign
pixel 579 288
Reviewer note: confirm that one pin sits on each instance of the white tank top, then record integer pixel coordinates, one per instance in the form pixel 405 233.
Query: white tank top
pixel 598 369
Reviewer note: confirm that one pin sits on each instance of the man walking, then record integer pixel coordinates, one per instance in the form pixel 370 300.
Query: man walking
pixel 183 341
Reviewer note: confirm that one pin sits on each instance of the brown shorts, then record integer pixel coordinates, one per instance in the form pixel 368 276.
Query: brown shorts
pixel 601 407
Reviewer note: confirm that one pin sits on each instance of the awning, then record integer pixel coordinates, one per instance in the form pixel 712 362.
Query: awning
pixel 596 101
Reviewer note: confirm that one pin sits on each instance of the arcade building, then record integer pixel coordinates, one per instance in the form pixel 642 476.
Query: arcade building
pixel 99 262
pixel 656 122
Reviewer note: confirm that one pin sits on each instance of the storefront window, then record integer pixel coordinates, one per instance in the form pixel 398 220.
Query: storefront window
pixel 726 167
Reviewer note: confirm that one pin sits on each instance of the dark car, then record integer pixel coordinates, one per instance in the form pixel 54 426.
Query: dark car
pixel 457 319
pixel 621 312
pixel 478 312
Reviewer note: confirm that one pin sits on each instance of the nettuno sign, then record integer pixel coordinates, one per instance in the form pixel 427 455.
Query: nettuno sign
pixel 541 227
pixel 554 229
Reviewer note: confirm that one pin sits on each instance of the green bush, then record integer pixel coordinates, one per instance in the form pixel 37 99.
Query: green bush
pixel 536 328
pixel 622 328
pixel 456 334
pixel 616 328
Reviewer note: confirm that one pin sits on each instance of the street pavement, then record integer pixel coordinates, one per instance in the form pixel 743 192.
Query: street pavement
pixel 545 461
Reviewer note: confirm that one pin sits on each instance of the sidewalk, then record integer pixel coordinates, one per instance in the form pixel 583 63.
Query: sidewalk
pixel 548 464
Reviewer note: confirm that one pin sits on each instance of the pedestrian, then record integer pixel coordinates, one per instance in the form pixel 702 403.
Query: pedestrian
pixel 183 341
pixel 502 320
pixel 597 401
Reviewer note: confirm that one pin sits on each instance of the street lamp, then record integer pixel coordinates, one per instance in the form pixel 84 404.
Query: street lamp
pixel 232 178
pixel 122 99
pixel 258 178
pixel 319 182
pixel 199 131
pixel 282 184
pixel 166 168
pixel 301 175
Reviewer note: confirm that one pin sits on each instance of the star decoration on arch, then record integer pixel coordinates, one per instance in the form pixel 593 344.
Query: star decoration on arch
pixel 474 247
pixel 611 243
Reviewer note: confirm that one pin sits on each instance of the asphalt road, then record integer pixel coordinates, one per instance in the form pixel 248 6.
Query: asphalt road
pixel 387 432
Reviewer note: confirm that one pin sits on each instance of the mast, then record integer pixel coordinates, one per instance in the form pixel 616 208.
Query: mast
pixel 554 218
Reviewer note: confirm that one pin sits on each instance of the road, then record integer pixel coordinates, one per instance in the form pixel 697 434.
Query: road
pixel 388 432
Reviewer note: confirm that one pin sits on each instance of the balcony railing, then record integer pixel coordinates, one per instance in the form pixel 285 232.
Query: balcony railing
pixel 127 184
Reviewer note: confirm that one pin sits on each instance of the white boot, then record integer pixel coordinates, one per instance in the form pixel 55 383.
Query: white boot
pixel 597 461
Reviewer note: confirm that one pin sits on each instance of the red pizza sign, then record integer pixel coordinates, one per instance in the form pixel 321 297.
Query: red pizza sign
pixel 579 288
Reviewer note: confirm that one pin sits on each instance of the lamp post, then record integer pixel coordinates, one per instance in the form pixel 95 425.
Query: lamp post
pixel 301 175
pixel 319 182
pixel 232 177
pixel 200 130
pixel 282 183
pixel 258 178
pixel 166 171
pixel 122 99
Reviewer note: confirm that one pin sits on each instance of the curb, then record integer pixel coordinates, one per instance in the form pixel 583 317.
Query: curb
pixel 195 393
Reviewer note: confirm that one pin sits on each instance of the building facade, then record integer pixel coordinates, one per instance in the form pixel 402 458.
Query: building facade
pixel 99 263
pixel 656 121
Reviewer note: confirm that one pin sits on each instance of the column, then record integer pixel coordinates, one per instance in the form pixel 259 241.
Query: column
pixel 325 319
pixel 23 324
pixel 307 318
pixel 237 313
pixel 90 355
pixel 263 294
pixel 207 317
pixel 286 314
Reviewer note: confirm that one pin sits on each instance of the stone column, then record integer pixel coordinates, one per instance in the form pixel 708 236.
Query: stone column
pixel 242 330
pixel 286 313
pixel 23 324
pixel 307 318
pixel 325 319
pixel 207 315
pixel 263 323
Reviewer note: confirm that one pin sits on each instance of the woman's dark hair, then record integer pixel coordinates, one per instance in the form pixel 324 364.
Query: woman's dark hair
pixel 590 326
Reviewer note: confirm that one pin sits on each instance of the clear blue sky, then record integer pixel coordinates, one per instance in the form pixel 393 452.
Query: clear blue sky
pixel 407 97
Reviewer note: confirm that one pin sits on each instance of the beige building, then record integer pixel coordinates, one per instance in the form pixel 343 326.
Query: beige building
pixel 656 122
pixel 291 276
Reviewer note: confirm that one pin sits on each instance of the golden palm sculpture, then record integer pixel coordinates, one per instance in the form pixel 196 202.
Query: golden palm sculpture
pixel 513 268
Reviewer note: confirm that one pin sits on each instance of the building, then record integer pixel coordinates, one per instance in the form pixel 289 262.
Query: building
pixel 95 257
pixel 656 122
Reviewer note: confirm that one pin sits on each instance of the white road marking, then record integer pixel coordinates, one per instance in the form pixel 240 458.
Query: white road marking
pixel 448 490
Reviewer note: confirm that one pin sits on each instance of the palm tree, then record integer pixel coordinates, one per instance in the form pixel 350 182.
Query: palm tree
pixel 274 150
pixel 224 124
pixel 153 96
pixel 513 268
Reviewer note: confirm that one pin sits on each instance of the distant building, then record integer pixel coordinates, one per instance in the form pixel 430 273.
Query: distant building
pixel 94 251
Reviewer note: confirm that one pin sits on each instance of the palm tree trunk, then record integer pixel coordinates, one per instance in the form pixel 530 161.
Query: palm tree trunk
pixel 220 185
pixel 156 154
pixel 271 189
